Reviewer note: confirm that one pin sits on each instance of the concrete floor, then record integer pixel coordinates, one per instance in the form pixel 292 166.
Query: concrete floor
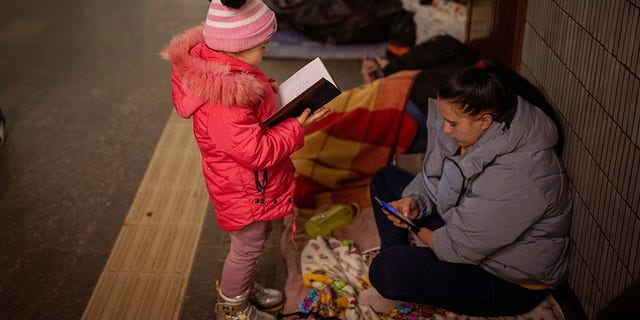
pixel 86 97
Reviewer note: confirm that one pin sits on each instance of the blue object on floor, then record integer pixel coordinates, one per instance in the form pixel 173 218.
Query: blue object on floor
pixel 292 44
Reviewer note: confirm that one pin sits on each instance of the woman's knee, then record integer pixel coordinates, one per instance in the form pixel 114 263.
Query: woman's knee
pixel 389 182
pixel 380 178
pixel 381 272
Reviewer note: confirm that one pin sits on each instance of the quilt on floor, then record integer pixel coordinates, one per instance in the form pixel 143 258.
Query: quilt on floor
pixel 336 271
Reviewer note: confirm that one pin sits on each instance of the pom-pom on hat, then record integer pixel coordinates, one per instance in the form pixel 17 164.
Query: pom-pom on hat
pixel 238 25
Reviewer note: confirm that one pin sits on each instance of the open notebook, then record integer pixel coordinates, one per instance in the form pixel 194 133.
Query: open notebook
pixel 310 87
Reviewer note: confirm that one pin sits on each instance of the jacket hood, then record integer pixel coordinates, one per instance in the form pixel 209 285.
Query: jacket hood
pixel 531 130
pixel 208 76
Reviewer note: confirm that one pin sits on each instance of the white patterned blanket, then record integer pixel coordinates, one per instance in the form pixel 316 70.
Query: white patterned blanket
pixel 326 274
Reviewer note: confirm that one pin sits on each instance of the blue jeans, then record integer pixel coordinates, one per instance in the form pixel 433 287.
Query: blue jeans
pixel 415 274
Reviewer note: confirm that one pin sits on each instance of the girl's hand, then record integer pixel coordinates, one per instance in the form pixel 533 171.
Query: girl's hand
pixel 275 86
pixel 307 118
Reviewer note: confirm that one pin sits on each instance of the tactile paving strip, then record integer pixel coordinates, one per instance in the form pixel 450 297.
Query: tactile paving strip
pixel 147 272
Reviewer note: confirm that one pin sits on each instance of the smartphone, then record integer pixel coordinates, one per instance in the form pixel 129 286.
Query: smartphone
pixel 387 207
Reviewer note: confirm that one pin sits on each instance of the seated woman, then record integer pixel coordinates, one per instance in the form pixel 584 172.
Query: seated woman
pixel 493 202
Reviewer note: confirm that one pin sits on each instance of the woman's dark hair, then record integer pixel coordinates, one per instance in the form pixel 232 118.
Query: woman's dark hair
pixel 490 86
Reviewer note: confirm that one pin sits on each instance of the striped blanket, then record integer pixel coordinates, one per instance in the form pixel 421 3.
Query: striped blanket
pixel 341 152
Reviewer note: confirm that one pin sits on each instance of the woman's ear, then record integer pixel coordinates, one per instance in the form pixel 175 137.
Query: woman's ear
pixel 487 120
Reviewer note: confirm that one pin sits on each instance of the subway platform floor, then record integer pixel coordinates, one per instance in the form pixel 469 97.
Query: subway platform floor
pixel 87 102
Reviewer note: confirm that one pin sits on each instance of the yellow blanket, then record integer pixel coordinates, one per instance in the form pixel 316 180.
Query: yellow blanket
pixel 341 152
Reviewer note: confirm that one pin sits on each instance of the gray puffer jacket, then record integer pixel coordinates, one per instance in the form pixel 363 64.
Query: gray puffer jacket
pixel 506 201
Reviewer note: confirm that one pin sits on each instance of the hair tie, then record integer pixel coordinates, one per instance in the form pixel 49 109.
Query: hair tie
pixel 480 65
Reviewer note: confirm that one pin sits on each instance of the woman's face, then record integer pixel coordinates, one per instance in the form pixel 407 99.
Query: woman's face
pixel 463 128
pixel 254 55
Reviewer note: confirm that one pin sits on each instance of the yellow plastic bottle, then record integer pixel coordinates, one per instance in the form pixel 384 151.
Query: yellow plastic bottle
pixel 336 217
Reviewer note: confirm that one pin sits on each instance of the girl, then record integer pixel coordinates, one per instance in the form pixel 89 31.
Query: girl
pixel 246 166
pixel 492 200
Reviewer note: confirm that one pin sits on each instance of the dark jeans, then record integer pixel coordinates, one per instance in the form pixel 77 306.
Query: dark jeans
pixel 415 274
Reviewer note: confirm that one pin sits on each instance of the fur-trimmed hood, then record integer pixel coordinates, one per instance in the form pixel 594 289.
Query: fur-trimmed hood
pixel 204 75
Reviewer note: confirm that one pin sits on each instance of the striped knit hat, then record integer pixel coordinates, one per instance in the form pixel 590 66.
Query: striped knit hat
pixel 238 25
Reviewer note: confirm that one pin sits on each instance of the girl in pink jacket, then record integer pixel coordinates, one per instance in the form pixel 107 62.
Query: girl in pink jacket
pixel 247 169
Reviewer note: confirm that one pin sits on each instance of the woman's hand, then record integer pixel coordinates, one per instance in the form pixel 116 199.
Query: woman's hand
pixel 425 235
pixel 307 118
pixel 407 207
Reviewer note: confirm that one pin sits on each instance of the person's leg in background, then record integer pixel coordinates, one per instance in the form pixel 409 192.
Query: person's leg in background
pixel 419 144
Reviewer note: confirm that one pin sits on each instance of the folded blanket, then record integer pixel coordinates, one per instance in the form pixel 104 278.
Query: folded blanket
pixel 341 152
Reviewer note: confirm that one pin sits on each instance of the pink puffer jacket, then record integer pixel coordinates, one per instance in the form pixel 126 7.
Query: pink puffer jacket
pixel 227 99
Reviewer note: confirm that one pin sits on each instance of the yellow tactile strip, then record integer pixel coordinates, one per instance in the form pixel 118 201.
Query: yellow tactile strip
pixel 147 272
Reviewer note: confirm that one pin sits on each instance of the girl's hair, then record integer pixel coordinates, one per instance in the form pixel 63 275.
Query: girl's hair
pixel 490 86
pixel 236 4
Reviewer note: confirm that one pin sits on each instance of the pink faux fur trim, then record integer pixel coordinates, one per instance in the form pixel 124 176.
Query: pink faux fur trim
pixel 208 79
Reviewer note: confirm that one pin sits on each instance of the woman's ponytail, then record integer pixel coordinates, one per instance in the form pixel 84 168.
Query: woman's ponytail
pixel 525 89
pixel 490 86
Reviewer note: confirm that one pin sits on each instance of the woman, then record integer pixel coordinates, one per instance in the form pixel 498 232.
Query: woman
pixel 492 201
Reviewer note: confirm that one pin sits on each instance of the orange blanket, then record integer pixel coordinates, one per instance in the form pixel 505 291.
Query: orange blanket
pixel 368 126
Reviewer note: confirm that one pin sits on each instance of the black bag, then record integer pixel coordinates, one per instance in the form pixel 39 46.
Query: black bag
pixel 402 31
pixel 339 21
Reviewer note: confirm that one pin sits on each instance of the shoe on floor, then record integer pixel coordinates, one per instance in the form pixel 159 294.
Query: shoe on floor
pixel 266 299
pixel 239 308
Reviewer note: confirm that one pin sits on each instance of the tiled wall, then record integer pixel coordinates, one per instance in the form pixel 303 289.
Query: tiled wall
pixel 585 55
